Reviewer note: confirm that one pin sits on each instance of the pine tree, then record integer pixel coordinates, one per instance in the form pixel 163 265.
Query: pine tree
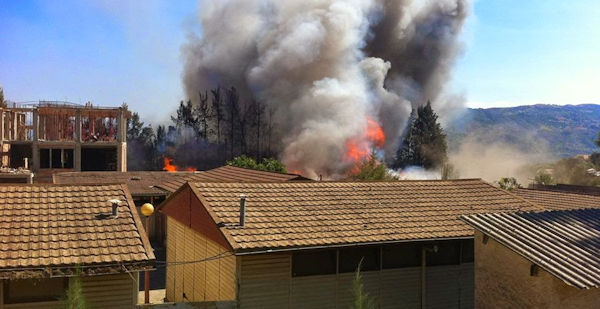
pixel 425 142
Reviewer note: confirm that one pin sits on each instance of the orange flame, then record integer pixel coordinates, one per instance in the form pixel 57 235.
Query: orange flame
pixel 170 167
pixel 375 133
pixel 359 148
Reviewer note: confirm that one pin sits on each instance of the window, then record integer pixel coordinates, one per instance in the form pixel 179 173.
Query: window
pixel 468 254
pixel 313 263
pixel 401 255
pixel 351 257
pixel 44 158
pixel 34 290
pixel 448 253
pixel 56 158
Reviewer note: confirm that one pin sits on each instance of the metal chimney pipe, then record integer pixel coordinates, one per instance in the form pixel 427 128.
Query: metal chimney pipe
pixel 242 209
pixel 115 207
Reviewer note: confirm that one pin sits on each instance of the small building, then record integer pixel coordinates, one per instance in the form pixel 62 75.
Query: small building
pixel 56 136
pixel 555 199
pixel 560 187
pixel 537 260
pixel 298 244
pixel 48 233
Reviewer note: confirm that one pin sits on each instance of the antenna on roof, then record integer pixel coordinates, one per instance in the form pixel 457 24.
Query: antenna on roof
pixel 115 207
pixel 242 209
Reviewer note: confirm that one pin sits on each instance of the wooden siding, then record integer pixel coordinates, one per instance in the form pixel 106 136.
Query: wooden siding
pixel 105 291
pixel 114 291
pixel 266 282
pixel 211 280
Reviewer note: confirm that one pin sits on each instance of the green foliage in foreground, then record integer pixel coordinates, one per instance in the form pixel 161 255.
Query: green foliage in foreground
pixel 267 164
pixel 361 300
pixel 74 298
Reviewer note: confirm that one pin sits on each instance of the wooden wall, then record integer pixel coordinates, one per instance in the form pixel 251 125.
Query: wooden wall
pixel 101 292
pixel 265 282
pixel 212 280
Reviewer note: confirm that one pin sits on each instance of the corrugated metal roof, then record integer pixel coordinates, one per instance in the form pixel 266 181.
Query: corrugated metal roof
pixel 565 243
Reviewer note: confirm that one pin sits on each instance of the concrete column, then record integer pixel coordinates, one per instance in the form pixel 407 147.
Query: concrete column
pixel 35 149
pixel 122 157
pixel 77 150
pixel 77 157
pixel 121 126
pixel 1 126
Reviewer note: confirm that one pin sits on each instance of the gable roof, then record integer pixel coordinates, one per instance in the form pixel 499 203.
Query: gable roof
pixel 312 214
pixel 230 173
pixel 564 243
pixel 48 229
pixel 557 200
pixel 140 183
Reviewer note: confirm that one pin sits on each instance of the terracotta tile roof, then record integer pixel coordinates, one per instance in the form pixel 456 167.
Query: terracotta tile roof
pixel 564 243
pixel 45 228
pixel 309 214
pixel 229 173
pixel 140 183
pixel 556 200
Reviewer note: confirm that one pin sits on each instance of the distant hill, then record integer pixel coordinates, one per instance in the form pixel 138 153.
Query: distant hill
pixel 563 131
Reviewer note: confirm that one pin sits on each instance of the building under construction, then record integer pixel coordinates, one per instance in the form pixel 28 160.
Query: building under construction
pixel 47 137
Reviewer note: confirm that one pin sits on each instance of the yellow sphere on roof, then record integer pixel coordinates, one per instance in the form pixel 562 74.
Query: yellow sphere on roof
pixel 147 209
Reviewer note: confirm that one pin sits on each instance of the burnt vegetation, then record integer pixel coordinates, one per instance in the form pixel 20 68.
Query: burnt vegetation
pixel 204 133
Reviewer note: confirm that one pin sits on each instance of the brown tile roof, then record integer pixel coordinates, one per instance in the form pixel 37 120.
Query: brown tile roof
pixel 46 228
pixel 311 214
pixel 555 200
pixel 564 243
pixel 229 173
pixel 140 183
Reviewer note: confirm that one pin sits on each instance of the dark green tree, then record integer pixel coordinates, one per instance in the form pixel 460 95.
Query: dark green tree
pixel 141 145
pixel 267 164
pixel 425 142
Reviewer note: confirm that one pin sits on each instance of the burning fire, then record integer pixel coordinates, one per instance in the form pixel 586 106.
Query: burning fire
pixel 359 148
pixel 170 167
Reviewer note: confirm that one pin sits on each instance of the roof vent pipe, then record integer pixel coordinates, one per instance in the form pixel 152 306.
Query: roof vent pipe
pixel 242 209
pixel 115 207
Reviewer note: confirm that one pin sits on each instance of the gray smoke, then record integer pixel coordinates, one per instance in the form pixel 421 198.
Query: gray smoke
pixel 327 67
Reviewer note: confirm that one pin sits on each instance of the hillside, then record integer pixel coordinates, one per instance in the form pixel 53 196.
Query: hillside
pixel 563 131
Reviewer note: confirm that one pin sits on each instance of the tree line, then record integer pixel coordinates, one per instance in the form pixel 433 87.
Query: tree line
pixel 204 133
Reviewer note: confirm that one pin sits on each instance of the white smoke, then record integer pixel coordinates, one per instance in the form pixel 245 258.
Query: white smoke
pixel 416 173
pixel 327 66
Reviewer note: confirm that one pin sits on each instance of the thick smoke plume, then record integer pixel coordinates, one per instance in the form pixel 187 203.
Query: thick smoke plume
pixel 328 68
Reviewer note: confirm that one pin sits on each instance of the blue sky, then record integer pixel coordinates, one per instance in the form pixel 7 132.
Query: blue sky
pixel 108 52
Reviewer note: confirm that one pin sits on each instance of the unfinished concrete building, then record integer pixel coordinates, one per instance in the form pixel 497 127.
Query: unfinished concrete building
pixel 47 137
